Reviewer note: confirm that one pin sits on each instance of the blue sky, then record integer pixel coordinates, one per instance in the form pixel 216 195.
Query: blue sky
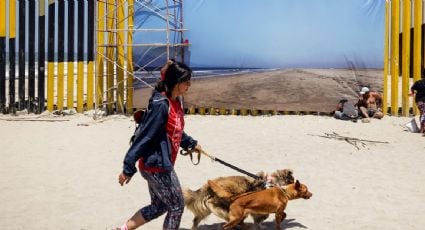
pixel 285 33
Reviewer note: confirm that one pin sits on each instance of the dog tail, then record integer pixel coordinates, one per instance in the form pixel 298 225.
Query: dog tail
pixel 189 196
pixel 195 201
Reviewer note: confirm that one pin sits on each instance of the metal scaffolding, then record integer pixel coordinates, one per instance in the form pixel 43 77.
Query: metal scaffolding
pixel 134 39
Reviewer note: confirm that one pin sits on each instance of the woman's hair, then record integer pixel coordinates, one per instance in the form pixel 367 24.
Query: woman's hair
pixel 172 73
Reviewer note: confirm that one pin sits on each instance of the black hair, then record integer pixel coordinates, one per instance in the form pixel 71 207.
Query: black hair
pixel 343 100
pixel 173 73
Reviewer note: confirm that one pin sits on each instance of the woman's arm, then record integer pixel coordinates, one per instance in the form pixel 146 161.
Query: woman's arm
pixel 153 125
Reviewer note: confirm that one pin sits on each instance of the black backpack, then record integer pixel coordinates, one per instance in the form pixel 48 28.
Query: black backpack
pixel 138 117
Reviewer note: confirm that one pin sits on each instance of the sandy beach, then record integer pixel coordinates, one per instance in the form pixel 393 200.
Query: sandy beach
pixel 62 174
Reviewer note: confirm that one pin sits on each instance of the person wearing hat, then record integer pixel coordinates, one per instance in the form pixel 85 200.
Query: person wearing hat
pixel 369 104
pixel 418 90
pixel 155 148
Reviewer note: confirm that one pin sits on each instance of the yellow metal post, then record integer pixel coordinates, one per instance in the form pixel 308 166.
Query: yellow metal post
pixel 3 19
pixel 120 56
pixel 395 28
pixel 51 56
pixel 59 83
pixel 12 19
pixel 70 85
pixel 70 64
pixel 417 51
pixel 405 58
pixel 80 86
pixel 90 81
pixel 90 54
pixel 80 57
pixel 130 56
pixel 61 54
pixel 100 51
pixel 386 35
pixel 110 54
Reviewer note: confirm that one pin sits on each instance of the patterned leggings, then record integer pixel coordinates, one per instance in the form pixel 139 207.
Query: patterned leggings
pixel 166 196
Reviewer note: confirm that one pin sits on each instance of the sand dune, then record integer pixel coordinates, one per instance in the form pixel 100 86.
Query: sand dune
pixel 286 90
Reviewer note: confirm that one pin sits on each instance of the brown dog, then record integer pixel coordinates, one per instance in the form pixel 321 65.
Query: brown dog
pixel 205 201
pixel 272 200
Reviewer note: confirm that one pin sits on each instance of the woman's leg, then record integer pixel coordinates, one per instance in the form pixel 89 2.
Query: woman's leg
pixel 167 196
pixel 175 201
pixel 152 211
pixel 134 222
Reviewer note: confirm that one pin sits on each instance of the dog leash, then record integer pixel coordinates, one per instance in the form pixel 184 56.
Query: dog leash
pixel 189 152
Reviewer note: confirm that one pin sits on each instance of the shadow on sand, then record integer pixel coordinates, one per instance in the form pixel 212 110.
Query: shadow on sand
pixel 287 224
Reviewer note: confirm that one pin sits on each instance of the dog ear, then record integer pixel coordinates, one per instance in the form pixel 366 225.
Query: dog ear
pixel 297 185
pixel 261 174
pixel 290 172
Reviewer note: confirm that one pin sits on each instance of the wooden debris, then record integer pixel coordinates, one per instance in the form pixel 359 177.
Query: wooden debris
pixel 27 119
pixel 351 140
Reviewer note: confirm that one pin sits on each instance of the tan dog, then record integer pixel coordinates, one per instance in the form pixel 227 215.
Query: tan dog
pixel 272 200
pixel 205 201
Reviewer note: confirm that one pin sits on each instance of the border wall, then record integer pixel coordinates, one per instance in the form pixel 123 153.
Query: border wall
pixel 92 67
pixel 43 69
pixel 403 54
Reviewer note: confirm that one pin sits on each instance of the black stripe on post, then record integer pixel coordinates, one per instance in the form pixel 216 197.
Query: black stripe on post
pixel 41 56
pixel 3 74
pixel 3 56
pixel 90 31
pixel 51 55
pixel 51 34
pixel 12 77
pixel 71 10
pixel 61 30
pixel 22 37
pixel 81 7
pixel 31 55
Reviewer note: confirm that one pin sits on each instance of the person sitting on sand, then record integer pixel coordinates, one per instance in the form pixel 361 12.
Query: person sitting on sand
pixel 346 111
pixel 369 104
pixel 418 89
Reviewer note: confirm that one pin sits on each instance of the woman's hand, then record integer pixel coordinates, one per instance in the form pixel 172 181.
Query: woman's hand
pixel 122 178
pixel 198 149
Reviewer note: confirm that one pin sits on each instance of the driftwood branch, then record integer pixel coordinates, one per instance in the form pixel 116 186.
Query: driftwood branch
pixel 351 140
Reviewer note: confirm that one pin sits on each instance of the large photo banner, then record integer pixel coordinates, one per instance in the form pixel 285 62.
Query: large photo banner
pixel 269 55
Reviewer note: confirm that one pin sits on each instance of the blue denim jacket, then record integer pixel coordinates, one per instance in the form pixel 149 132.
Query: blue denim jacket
pixel 151 141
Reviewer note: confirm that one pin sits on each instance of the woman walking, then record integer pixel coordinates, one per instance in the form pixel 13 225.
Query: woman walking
pixel 155 148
